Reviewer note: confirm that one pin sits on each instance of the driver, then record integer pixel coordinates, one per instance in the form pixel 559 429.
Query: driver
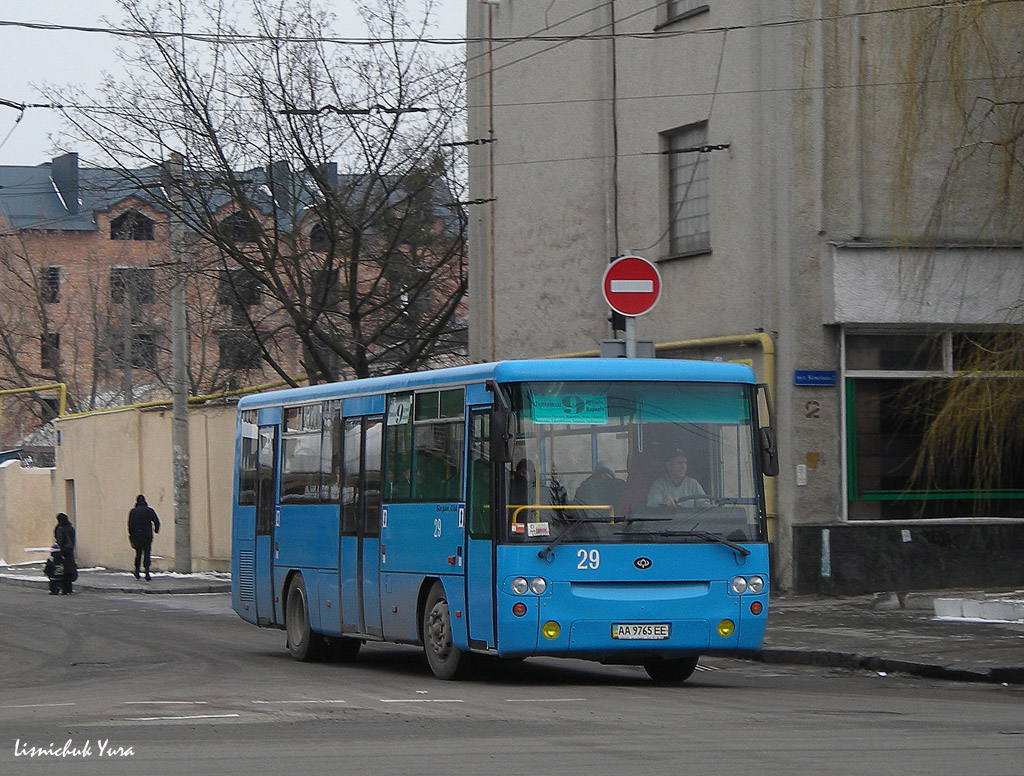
pixel 674 488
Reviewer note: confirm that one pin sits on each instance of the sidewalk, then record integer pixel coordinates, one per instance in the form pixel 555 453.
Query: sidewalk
pixel 877 633
pixel 885 633
pixel 102 580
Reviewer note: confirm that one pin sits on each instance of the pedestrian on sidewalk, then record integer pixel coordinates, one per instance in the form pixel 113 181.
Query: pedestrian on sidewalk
pixel 142 524
pixel 64 537
pixel 54 570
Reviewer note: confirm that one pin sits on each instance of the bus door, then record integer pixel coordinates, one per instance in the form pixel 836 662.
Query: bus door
pixel 359 569
pixel 266 511
pixel 480 531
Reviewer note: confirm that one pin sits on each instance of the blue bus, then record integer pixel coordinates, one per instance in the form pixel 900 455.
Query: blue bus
pixel 605 509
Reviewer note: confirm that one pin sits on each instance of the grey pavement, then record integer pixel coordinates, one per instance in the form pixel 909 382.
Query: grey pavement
pixel 882 633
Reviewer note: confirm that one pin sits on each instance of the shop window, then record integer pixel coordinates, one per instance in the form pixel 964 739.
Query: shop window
pixel 897 388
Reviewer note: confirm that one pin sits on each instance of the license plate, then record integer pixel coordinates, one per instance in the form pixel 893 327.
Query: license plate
pixel 649 631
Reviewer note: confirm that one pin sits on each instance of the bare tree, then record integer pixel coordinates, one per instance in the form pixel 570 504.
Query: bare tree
pixel 314 167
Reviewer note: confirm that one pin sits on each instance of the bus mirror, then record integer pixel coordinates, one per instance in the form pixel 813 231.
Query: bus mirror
pixel 769 452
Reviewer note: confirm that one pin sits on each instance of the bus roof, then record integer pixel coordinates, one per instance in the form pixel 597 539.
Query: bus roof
pixel 538 370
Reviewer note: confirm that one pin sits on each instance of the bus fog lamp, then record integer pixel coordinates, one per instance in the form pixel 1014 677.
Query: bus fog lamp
pixel 726 628
pixel 538 585
pixel 551 629
pixel 520 585
pixel 519 609
pixel 738 585
pixel 755 584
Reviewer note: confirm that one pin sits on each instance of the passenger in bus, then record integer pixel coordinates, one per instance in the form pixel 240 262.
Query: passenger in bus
pixel 602 487
pixel 522 483
pixel 674 488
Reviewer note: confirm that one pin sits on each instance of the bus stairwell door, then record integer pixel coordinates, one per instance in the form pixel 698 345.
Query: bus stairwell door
pixel 266 510
pixel 480 531
pixel 359 570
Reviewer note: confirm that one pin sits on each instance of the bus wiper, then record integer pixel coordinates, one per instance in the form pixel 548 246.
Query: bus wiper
pixel 576 522
pixel 706 535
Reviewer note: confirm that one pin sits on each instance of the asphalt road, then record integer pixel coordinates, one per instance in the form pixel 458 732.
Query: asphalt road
pixel 167 685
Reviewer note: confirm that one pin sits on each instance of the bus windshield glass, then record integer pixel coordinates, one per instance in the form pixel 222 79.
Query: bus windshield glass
pixel 636 462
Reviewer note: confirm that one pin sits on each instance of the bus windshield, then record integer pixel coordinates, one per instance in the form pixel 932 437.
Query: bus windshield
pixel 636 462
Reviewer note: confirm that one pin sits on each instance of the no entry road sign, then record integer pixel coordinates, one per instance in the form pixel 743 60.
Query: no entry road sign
pixel 632 285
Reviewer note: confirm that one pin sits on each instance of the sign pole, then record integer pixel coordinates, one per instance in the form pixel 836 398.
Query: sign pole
pixel 630 336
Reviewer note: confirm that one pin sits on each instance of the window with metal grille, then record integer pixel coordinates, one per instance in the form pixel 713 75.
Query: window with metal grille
pixel 49 284
pixel 143 351
pixel 49 350
pixel 689 200
pixel 134 284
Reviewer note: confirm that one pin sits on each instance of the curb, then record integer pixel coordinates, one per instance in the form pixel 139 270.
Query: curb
pixel 854 662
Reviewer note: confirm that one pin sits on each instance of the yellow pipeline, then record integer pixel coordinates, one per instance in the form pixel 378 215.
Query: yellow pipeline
pixel 760 339
pixel 62 401
pixel 191 399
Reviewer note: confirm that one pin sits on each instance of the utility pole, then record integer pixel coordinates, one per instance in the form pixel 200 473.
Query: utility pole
pixel 179 383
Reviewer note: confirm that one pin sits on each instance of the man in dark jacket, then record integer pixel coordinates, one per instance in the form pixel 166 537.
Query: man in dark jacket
pixel 64 536
pixel 142 524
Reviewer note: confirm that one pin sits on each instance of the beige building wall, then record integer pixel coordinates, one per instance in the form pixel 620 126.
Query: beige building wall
pixel 104 461
pixel 27 518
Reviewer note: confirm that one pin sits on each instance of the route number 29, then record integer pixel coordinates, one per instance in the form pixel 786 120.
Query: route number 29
pixel 589 559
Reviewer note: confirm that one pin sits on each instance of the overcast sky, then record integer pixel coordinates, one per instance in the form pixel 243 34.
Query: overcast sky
pixel 35 57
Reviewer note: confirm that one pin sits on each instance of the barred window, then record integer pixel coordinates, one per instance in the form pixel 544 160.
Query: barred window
pixel 49 284
pixel 689 199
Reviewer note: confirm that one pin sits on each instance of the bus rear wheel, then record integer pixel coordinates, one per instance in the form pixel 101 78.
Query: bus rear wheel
pixel 671 671
pixel 304 644
pixel 445 659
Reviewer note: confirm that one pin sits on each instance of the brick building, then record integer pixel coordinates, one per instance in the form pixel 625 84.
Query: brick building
pixel 86 271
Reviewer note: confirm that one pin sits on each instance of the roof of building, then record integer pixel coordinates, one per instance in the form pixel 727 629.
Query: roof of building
pixel 60 195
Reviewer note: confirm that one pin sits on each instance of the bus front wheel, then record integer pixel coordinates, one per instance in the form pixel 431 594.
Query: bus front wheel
pixel 445 659
pixel 671 671
pixel 303 643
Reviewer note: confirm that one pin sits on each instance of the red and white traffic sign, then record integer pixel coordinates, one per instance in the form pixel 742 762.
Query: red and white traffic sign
pixel 632 285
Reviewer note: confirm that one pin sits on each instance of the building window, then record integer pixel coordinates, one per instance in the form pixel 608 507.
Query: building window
pixel 131 225
pixel 132 284
pixel 689 200
pixel 239 228
pixel 50 350
pixel 896 386
pixel 239 350
pixel 680 9
pixel 238 290
pixel 143 351
pixel 319 240
pixel 49 284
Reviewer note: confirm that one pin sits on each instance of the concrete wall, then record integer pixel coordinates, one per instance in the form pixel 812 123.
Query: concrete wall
pixel 27 517
pixel 105 460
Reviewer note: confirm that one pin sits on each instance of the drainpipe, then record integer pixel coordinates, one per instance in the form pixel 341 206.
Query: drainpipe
pixel 759 339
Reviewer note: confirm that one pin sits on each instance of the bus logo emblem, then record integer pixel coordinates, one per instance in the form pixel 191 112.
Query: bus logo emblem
pixel 642 563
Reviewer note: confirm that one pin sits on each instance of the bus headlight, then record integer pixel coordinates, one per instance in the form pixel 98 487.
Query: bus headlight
pixel 520 586
pixel 738 585
pixel 755 584
pixel 538 585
